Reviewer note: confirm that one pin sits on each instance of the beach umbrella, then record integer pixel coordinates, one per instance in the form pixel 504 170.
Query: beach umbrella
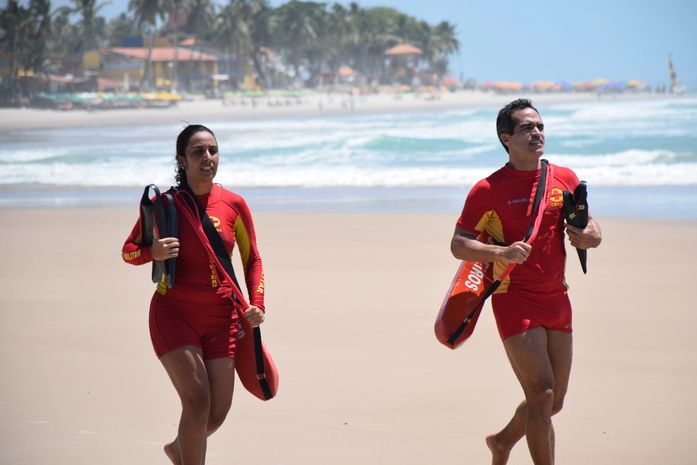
pixel 347 71
pixel 508 86
pixel 613 86
pixel 543 85
pixel 585 86
pixel 636 84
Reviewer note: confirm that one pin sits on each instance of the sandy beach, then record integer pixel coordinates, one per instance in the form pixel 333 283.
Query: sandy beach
pixel 351 301
pixel 312 105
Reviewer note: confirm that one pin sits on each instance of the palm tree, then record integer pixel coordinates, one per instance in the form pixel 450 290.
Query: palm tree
pixel 24 33
pixel 175 10
pixel 146 13
pixel 297 26
pixel 40 31
pixel 13 23
pixel 232 33
pixel 445 43
pixel 242 30
pixel 200 16
pixel 258 15
pixel 90 23
pixel 119 28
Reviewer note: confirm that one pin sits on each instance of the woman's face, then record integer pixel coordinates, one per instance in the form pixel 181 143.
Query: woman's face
pixel 201 158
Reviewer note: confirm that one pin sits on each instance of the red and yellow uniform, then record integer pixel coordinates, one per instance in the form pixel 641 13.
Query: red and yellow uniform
pixel 498 210
pixel 195 311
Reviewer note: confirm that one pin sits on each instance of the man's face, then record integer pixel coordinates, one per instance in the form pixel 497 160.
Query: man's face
pixel 528 136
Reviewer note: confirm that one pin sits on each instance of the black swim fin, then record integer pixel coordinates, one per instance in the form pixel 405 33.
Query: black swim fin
pixel 164 215
pixel 172 228
pixel 576 214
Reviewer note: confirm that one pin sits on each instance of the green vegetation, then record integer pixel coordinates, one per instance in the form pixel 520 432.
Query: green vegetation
pixel 307 38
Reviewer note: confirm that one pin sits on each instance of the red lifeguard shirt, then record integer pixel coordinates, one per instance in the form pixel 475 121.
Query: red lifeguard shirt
pixel 233 220
pixel 498 211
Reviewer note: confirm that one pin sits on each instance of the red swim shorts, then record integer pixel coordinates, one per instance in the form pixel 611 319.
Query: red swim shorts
pixel 516 314
pixel 209 323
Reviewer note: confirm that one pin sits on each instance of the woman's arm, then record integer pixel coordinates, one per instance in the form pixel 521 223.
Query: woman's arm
pixel 133 252
pixel 245 237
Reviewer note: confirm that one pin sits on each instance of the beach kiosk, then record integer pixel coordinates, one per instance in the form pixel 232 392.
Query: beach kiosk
pixel 402 63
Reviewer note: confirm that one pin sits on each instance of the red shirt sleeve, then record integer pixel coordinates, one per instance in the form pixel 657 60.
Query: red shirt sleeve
pixel 566 177
pixel 478 206
pixel 133 252
pixel 249 253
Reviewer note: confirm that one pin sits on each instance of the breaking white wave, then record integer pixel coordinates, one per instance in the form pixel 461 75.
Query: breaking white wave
pixel 613 144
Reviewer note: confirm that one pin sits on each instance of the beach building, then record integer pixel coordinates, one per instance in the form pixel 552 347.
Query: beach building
pixel 127 65
pixel 402 64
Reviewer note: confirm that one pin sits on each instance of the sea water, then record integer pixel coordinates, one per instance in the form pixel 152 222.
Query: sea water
pixel 639 159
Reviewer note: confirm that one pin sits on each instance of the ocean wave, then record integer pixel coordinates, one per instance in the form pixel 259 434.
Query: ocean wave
pixel 614 144
pixel 611 173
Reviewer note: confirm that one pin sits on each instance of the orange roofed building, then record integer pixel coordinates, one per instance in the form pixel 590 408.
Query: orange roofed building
pixel 128 64
pixel 402 63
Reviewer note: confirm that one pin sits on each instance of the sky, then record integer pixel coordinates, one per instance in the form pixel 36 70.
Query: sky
pixel 557 40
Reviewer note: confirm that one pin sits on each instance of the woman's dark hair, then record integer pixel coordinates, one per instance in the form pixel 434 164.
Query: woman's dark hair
pixel 182 141
pixel 505 122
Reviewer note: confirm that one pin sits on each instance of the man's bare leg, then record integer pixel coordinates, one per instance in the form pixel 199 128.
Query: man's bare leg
pixel 527 353
pixel 560 351
pixel 501 443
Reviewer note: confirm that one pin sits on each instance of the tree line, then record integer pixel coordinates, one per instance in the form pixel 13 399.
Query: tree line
pixel 309 36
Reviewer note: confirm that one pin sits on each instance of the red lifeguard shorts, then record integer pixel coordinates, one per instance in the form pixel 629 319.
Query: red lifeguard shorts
pixel 207 322
pixel 516 314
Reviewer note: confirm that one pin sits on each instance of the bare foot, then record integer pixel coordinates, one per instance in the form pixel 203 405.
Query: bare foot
pixel 499 452
pixel 172 451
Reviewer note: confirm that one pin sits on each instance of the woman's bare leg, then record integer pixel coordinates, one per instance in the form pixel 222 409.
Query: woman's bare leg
pixel 221 379
pixel 187 370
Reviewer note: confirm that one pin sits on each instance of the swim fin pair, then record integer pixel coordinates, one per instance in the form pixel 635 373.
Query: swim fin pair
pixel 159 209
pixel 576 214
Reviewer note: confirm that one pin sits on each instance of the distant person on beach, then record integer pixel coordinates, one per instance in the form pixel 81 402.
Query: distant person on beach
pixel 193 325
pixel 531 307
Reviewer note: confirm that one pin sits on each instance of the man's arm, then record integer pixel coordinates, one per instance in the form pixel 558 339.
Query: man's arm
pixel 465 246
pixel 587 238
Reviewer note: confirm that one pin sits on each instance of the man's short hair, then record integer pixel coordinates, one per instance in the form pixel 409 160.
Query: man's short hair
pixel 505 122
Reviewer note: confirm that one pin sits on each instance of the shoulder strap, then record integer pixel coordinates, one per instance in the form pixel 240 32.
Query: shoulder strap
pixel 212 234
pixel 535 219
pixel 539 193
pixel 221 252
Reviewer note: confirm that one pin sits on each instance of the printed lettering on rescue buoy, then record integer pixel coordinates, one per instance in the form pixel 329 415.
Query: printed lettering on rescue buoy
pixel 471 278
pixel 463 302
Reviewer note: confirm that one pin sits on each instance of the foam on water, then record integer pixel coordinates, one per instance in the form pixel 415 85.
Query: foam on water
pixel 651 143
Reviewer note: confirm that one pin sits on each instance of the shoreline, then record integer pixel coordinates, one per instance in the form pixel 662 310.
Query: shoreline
pixel 629 202
pixel 311 106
